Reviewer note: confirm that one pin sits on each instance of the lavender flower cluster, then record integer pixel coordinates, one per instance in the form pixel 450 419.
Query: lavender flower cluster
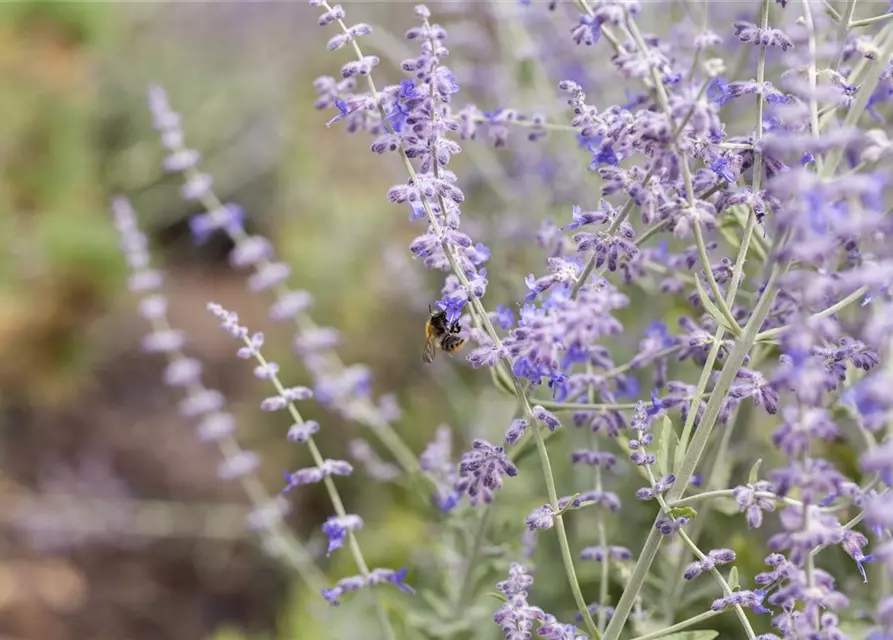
pixel 758 207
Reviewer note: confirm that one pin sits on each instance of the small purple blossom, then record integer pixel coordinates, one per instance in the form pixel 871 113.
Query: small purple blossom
pixel 481 471
pixel 540 518
pixel 336 529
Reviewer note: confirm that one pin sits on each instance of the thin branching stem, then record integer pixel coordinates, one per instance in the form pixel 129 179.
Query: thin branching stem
pixel 330 486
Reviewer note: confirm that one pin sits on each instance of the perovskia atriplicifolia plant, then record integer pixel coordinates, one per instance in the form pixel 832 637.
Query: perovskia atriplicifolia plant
pixel 739 187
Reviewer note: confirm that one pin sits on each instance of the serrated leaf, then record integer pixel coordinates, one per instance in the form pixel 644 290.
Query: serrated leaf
pixel 754 474
pixel 692 635
pixel 709 306
pixel 733 578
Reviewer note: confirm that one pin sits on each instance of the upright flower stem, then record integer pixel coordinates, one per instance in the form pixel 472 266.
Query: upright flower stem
pixel 627 208
pixel 279 538
pixel 727 375
pixel 601 531
pixel 687 463
pixel 331 488
pixel 484 319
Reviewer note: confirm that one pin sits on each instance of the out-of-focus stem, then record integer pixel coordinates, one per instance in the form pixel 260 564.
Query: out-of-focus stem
pixel 332 490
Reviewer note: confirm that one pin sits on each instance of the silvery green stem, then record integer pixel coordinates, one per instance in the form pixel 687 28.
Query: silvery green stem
pixel 693 455
pixel 846 23
pixel 679 626
pixel 866 22
pixel 850 299
pixel 700 555
pixel 332 490
pixel 730 493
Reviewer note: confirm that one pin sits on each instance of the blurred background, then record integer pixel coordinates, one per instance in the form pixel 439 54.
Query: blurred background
pixel 113 522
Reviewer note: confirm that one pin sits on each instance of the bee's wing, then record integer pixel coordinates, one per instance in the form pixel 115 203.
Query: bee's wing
pixel 430 350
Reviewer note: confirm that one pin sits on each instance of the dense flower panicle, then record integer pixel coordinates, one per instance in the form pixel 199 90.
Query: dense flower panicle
pixel 481 471
pixel 517 618
pixel 549 340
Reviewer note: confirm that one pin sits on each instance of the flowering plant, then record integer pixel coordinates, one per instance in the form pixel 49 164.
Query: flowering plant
pixel 753 210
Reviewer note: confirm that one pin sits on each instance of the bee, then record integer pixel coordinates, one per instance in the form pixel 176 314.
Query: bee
pixel 440 333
